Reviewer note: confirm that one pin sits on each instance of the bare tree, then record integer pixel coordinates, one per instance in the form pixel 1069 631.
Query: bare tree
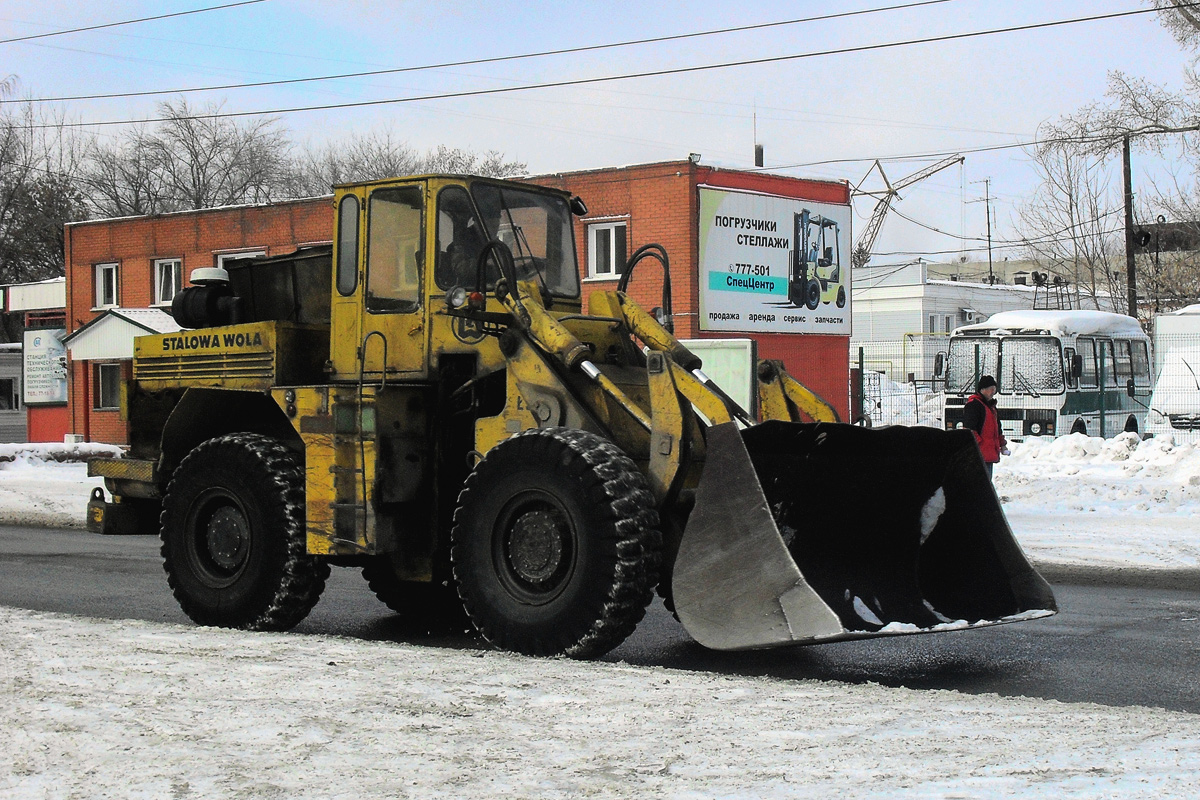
pixel 1072 223
pixel 1182 19
pixel 39 193
pixel 205 161
pixel 359 157
pixel 192 159
pixel 455 159
pixel 123 180
pixel 374 156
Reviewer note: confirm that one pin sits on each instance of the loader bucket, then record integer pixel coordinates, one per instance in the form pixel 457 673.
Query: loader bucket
pixel 815 532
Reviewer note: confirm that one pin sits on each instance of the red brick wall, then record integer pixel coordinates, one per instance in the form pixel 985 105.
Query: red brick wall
pixel 662 204
pixel 133 244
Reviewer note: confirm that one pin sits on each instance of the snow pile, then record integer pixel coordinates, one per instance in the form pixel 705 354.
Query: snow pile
pixel 903 403
pixel 133 709
pixel 41 493
pixel 56 451
pixel 1091 501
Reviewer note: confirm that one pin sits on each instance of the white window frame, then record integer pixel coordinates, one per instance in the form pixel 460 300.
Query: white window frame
pixel 609 228
pixel 159 265
pixel 933 323
pixel 101 284
pixel 223 257
pixel 109 367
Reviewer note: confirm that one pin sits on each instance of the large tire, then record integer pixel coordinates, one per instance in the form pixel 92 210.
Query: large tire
pixel 433 607
pixel 233 537
pixel 556 547
pixel 812 294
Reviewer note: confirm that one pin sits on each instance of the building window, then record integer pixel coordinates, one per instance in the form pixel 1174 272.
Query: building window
pixel 106 285
pixel 933 323
pixel 949 320
pixel 606 249
pixel 108 387
pixel 10 394
pixel 223 257
pixel 168 280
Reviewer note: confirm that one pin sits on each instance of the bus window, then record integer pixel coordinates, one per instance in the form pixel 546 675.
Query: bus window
pixel 969 359
pixel 1087 349
pixel 1109 359
pixel 1068 367
pixel 1030 365
pixel 1124 361
pixel 1141 364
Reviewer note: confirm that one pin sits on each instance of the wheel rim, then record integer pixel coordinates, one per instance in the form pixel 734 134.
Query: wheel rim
pixel 219 538
pixel 533 547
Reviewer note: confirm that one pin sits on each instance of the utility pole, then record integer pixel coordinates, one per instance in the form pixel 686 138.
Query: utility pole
pixel 1130 274
pixel 987 205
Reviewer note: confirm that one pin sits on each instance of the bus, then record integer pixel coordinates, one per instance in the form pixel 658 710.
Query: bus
pixel 1057 371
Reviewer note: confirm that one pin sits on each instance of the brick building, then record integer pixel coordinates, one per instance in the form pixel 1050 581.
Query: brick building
pixel 118 268
pixel 139 263
pixel 636 205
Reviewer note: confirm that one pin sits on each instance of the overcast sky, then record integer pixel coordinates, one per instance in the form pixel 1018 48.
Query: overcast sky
pixel 848 108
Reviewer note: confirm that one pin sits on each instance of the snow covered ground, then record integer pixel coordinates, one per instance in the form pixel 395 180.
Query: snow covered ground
pixel 92 708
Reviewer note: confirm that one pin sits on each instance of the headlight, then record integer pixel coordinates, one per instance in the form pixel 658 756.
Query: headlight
pixel 456 297
pixel 1035 428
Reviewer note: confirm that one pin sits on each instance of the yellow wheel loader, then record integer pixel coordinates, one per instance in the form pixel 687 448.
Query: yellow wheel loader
pixel 428 400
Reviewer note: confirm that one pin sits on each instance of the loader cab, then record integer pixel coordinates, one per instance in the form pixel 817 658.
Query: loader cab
pixel 405 247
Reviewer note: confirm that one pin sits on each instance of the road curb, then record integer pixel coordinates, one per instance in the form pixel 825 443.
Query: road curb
pixel 1133 577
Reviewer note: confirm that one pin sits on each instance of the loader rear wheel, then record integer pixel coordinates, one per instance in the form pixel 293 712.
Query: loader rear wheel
pixel 556 545
pixel 428 607
pixel 233 537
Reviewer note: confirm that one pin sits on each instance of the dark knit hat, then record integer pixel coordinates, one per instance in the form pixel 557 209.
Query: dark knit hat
pixel 985 382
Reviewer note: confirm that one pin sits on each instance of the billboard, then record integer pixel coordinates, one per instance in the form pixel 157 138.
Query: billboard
pixel 45 367
pixel 773 264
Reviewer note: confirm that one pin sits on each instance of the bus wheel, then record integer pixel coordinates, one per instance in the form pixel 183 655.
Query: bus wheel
pixel 1131 425
pixel 1079 427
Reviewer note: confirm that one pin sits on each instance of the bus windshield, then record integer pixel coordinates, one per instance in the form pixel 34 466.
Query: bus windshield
pixel 1030 365
pixel 969 358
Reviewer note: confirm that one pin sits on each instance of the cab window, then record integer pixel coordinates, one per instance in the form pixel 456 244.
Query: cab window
pixel 394 255
pixel 460 238
pixel 347 258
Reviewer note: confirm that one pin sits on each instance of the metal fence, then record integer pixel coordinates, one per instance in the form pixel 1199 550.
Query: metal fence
pixel 1175 401
pixel 899 388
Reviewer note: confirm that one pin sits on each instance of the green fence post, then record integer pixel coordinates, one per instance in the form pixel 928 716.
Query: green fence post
pixel 1103 392
pixel 862 381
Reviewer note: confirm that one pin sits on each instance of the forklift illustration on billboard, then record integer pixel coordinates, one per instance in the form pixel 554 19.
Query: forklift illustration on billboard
pixel 816 274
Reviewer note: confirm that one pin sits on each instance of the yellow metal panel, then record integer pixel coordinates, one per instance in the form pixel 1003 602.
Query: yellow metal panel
pixel 131 469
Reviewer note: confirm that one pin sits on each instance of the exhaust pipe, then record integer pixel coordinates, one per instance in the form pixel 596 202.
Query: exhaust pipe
pixel 805 533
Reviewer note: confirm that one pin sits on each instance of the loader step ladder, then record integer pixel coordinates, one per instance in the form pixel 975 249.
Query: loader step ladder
pixel 354 452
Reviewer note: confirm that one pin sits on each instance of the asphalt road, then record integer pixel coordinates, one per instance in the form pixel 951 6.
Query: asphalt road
pixel 1109 644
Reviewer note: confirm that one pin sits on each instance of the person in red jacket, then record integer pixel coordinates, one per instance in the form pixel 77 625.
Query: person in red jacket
pixel 980 417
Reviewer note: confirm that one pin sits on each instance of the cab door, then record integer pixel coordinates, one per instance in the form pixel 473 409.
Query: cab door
pixel 379 317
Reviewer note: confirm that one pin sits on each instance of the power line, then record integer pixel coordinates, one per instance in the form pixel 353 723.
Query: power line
pixel 493 59
pixel 646 73
pixel 128 22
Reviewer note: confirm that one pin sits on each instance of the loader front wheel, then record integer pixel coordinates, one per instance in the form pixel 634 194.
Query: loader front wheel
pixel 556 545
pixel 233 537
